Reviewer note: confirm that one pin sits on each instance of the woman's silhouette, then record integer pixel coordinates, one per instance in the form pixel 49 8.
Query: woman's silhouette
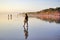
pixel 26 20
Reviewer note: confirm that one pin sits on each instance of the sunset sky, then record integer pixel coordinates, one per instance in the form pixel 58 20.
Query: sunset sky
pixel 27 5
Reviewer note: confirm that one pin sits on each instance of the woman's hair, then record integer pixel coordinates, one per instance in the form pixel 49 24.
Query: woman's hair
pixel 26 14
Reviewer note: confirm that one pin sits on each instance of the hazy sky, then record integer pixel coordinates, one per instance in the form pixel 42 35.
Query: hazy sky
pixel 27 5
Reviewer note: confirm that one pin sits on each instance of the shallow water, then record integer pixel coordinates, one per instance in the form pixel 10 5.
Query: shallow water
pixel 12 29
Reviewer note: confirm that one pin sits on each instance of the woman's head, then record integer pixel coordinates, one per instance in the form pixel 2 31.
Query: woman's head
pixel 26 14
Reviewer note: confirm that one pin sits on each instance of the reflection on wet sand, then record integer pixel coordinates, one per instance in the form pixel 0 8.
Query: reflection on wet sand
pixel 26 31
pixel 57 20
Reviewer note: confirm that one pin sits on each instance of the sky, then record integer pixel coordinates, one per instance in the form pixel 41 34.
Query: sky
pixel 27 5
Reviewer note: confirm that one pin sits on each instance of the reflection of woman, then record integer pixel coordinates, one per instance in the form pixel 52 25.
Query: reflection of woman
pixel 26 19
pixel 26 33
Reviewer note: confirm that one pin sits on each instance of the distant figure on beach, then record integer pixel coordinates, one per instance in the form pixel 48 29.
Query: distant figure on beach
pixel 10 16
pixel 26 20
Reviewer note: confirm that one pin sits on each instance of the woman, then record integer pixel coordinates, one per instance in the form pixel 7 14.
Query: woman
pixel 26 19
